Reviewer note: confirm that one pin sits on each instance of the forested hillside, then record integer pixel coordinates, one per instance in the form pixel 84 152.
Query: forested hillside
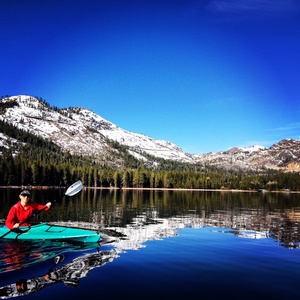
pixel 41 163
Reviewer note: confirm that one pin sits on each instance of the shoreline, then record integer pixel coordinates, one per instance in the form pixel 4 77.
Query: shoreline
pixel 287 191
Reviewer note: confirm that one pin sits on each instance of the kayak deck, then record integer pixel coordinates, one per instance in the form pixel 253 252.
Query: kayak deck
pixel 45 231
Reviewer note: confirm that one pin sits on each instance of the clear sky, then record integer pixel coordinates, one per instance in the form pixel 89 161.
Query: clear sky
pixel 206 75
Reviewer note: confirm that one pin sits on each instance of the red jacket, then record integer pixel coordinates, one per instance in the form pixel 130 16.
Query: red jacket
pixel 18 214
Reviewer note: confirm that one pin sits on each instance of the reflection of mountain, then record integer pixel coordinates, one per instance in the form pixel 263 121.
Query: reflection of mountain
pixel 281 225
pixel 69 274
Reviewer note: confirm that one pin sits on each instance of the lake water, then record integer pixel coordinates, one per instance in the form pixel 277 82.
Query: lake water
pixel 161 244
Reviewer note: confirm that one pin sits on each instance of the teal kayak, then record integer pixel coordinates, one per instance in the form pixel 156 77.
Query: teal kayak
pixel 45 231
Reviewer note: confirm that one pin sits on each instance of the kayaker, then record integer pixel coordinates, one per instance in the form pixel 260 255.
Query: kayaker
pixel 21 212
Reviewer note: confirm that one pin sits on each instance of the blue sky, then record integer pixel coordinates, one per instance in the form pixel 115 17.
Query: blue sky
pixel 206 75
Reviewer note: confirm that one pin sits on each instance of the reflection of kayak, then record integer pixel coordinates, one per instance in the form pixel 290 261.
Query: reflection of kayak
pixel 45 231
pixel 18 254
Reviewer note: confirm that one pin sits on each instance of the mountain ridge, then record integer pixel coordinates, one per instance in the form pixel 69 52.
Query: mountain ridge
pixel 80 131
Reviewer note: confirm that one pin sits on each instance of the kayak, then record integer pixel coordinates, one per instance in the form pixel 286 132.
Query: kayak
pixel 45 231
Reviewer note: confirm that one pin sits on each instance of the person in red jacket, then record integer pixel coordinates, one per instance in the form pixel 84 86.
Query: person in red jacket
pixel 21 212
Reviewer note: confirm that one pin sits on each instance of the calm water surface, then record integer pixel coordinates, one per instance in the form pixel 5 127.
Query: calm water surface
pixel 158 244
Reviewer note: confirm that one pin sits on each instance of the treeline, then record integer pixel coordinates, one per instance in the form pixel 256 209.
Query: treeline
pixel 40 162
pixel 142 178
pixel 17 171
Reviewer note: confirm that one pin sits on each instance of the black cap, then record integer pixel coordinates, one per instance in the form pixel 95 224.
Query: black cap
pixel 25 193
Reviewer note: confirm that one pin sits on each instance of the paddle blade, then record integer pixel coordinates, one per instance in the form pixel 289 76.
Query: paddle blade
pixel 74 188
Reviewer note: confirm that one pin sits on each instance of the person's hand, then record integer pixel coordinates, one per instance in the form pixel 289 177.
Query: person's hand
pixel 49 204
pixel 47 277
pixel 17 225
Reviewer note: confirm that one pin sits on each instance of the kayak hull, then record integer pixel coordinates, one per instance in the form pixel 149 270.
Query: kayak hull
pixel 45 231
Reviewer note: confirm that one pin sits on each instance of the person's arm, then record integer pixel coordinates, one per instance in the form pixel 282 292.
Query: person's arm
pixel 44 207
pixel 11 221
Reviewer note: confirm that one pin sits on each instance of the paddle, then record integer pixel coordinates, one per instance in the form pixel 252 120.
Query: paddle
pixel 71 191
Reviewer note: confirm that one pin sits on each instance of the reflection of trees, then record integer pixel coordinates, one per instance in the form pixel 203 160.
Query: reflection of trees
pixel 69 274
pixel 248 223
pixel 276 213
pixel 275 224
pixel 286 228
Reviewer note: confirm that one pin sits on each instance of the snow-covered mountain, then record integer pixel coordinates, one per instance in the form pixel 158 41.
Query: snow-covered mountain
pixel 81 131
pixel 284 155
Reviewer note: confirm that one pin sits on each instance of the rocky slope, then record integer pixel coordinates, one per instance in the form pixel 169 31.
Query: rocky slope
pixel 284 155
